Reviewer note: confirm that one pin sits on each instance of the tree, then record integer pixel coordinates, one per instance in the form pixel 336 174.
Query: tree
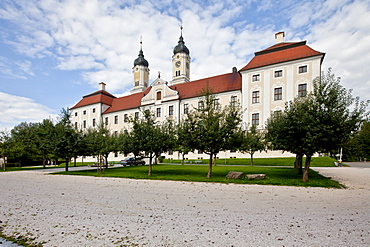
pixel 319 122
pixel 4 147
pixel 253 140
pixel 151 137
pixel 22 145
pixel 45 138
pixel 358 147
pixel 67 138
pixel 183 143
pixel 211 129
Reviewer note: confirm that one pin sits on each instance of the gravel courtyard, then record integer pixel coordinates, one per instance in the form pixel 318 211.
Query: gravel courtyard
pixel 61 210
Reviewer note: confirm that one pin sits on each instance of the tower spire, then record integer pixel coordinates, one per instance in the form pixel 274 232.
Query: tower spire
pixel 140 71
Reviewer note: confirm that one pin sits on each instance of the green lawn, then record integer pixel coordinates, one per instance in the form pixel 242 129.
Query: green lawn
pixel 315 162
pixel 197 173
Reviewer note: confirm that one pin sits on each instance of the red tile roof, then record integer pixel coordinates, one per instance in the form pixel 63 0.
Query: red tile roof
pixel 220 83
pixel 98 97
pixel 127 102
pixel 282 52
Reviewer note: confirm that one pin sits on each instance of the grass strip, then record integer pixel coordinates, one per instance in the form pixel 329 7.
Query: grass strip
pixel 286 161
pixel 284 176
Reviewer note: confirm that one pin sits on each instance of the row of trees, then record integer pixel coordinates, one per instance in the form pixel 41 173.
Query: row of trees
pixel 320 122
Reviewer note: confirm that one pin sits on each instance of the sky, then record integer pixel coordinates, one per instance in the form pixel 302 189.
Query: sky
pixel 53 52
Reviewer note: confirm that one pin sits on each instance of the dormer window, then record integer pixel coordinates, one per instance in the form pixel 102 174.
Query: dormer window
pixel 159 95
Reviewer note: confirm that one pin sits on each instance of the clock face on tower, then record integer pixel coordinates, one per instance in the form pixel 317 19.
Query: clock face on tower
pixel 178 63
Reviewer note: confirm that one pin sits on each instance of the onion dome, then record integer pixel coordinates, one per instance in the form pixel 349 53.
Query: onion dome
pixel 141 60
pixel 181 47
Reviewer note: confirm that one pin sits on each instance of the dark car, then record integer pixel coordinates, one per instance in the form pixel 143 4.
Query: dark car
pixel 132 162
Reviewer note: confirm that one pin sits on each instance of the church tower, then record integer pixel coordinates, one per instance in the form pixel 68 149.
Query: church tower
pixel 180 63
pixel 141 73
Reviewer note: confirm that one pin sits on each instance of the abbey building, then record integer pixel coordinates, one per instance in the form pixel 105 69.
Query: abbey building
pixel 272 77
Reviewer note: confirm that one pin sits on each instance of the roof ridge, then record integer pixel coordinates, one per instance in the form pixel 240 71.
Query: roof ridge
pixel 280 47
pixel 100 92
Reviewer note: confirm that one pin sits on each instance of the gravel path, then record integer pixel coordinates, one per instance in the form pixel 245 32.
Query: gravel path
pixel 85 211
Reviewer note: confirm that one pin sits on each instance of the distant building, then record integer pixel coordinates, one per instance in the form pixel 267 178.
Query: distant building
pixel 274 76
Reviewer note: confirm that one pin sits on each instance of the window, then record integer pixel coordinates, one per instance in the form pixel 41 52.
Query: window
pixel 136 83
pixel 75 114
pixel 186 108
pixel 116 119
pixel 302 69
pixel 256 77
pixel 125 118
pixel 93 110
pixel 84 124
pixel 158 112
pixel 216 104
pixel 93 122
pixel 255 119
pixel 136 114
pixel 278 93
pixel 233 100
pixel 255 97
pixel 277 113
pixel 159 95
pixel 177 72
pixel 84 112
pixel 76 125
pixel 201 105
pixel 170 110
pixel 106 121
pixel 302 90
pixel 278 73
pixel 115 134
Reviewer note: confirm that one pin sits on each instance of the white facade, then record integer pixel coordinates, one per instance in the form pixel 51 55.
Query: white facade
pixel 274 76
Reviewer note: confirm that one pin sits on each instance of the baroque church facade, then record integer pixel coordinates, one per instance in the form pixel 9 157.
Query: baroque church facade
pixel 272 77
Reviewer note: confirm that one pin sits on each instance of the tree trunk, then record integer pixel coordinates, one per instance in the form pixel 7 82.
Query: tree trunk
pixel 306 168
pixel 215 160
pixel 67 161
pixel 43 160
pixel 209 174
pixel 106 161
pixel 75 162
pixel 150 165
pixel 251 159
pixel 183 159
pixel 298 163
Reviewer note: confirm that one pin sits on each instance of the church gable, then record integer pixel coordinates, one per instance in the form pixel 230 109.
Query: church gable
pixel 159 92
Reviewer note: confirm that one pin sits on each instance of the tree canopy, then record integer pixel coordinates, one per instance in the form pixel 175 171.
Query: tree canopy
pixel 211 129
pixel 322 121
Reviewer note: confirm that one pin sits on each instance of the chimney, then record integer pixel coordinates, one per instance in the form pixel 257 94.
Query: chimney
pixel 279 37
pixel 102 86
pixel 235 70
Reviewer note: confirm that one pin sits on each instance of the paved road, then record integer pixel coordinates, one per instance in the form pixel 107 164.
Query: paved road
pixel 358 164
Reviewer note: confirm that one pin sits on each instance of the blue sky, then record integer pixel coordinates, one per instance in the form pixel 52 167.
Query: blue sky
pixel 52 52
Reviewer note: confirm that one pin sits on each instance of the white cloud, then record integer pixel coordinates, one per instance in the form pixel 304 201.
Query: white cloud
pixel 101 38
pixel 345 37
pixel 15 69
pixel 15 109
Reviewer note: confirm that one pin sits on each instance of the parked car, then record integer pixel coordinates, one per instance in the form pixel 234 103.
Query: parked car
pixel 132 162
